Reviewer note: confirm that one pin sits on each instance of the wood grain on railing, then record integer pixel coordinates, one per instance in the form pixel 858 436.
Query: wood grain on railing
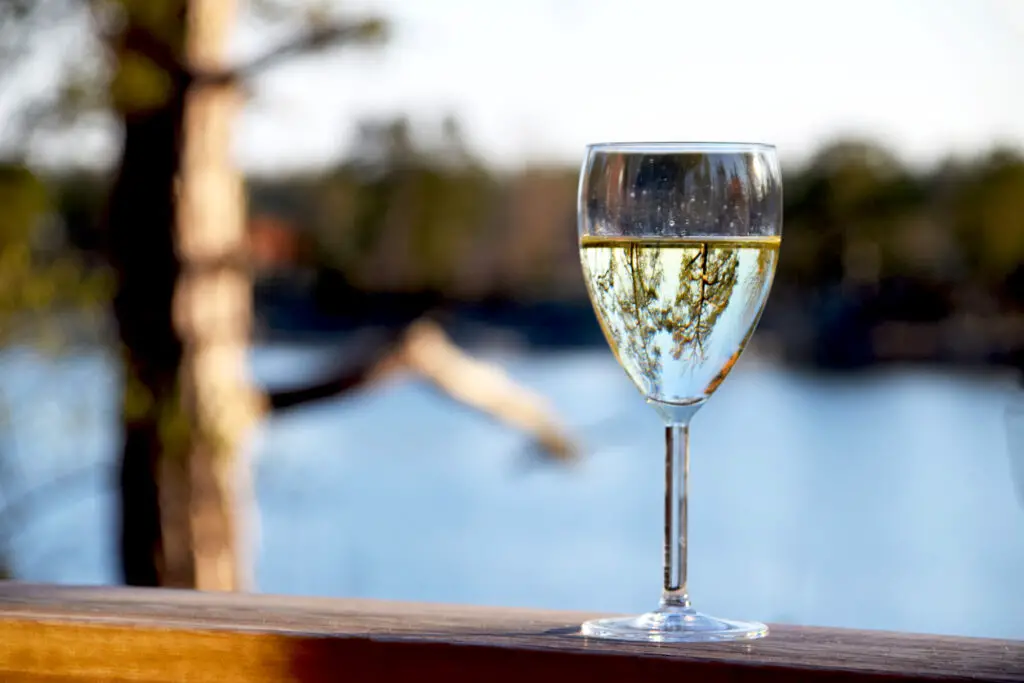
pixel 51 633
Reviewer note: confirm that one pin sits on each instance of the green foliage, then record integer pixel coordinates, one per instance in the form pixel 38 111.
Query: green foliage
pixel 38 274
pixel 988 210
pixel 401 217
pixel 648 312
pixel 636 306
pixel 402 214
pixel 709 278
pixel 140 81
pixel 960 225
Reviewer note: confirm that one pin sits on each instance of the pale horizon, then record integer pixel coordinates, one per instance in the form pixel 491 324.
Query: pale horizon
pixel 535 81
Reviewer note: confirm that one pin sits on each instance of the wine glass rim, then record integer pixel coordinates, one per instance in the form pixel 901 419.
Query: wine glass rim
pixel 680 147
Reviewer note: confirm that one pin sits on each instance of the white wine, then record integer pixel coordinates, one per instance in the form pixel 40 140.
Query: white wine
pixel 678 311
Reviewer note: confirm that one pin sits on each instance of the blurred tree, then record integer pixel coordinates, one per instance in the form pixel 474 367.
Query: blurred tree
pixel 988 206
pixel 177 243
pixel 837 209
pixel 410 214
pixel 36 274
pixel 183 304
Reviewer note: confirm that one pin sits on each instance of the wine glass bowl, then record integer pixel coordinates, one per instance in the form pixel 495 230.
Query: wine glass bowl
pixel 679 244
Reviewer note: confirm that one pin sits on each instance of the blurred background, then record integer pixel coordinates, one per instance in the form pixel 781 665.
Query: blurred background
pixel 290 301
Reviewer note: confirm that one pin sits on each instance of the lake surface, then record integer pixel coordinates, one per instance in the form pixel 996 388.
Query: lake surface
pixel 890 500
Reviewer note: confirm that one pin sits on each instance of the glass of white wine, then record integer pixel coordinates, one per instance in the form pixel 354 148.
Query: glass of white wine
pixel 678 243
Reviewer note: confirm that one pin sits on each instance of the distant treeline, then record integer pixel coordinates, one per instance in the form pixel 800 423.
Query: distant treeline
pixel 878 260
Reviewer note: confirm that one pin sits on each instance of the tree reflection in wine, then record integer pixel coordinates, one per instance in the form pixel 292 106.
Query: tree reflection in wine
pixel 676 311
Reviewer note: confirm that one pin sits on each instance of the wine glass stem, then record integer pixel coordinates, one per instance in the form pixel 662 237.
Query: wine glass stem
pixel 677 469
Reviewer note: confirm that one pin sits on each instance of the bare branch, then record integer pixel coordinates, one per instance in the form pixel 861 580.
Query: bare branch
pixel 425 349
pixel 483 386
pixel 320 36
pixel 342 380
pixel 140 39
pixel 317 38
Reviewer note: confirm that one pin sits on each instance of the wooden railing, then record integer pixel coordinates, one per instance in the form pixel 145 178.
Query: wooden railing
pixel 50 633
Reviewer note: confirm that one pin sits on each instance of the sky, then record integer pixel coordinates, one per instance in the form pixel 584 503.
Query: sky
pixel 536 80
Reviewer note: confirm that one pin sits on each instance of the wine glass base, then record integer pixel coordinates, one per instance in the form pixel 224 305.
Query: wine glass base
pixel 676 625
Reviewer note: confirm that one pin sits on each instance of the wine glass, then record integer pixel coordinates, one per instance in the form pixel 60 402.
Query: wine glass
pixel 678 243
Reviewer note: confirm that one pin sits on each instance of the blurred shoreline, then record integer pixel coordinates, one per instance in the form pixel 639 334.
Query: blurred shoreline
pixel 880 263
pixel 846 341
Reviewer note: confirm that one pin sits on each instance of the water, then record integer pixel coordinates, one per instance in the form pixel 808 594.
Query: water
pixel 887 501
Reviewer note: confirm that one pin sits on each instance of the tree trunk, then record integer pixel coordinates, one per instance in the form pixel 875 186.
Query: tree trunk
pixel 183 306
pixel 213 305
pixel 140 223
